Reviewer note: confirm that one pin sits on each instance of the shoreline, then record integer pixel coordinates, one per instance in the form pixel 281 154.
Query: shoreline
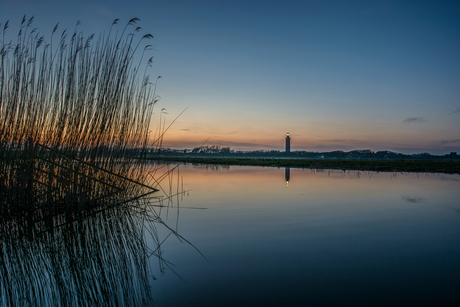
pixel 374 165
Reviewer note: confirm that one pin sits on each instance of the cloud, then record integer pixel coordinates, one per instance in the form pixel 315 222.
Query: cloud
pixel 241 144
pixel 444 142
pixel 457 110
pixel 342 140
pixel 412 199
pixel 414 120
pixel 455 209
pixel 185 129
pixel 102 10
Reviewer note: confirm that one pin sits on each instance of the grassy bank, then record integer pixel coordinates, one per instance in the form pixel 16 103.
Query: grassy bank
pixel 422 166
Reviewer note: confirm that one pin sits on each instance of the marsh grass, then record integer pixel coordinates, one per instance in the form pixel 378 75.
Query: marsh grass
pixel 75 114
pixel 98 257
pixel 101 260
pixel 79 208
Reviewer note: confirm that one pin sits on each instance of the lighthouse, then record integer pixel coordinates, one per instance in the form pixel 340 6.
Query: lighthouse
pixel 288 143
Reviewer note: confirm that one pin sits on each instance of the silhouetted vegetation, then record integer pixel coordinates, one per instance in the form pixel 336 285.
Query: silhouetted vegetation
pixel 428 166
pixel 76 200
pixel 338 154
pixel 380 161
pixel 74 118
pixel 97 259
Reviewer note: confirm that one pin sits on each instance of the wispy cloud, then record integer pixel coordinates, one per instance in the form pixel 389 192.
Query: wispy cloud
pixel 414 120
pixel 242 144
pixel 444 142
pixel 457 110
pixel 185 129
pixel 342 140
pixel 414 200
pixel 102 10
pixel 455 209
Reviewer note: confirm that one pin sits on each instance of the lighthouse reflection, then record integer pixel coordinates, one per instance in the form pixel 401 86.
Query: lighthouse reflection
pixel 287 175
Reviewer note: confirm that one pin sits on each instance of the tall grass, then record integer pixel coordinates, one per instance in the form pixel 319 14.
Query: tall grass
pixel 76 204
pixel 99 257
pixel 102 260
pixel 74 116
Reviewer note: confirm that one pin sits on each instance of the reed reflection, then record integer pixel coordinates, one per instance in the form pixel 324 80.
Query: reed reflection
pixel 63 261
pixel 83 259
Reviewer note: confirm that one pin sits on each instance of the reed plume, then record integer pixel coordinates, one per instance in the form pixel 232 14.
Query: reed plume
pixel 74 117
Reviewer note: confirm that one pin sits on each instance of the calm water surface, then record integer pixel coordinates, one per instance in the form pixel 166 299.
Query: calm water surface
pixel 325 238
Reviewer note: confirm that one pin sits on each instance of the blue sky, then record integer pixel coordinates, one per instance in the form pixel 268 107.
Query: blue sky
pixel 337 75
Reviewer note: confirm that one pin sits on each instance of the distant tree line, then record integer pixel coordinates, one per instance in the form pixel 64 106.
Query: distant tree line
pixel 214 150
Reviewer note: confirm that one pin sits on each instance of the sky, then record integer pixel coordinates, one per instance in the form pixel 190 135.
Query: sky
pixel 336 75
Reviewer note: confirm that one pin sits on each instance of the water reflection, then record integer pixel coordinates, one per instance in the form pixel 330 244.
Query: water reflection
pixel 413 199
pixel 333 238
pixel 97 258
pixel 455 209
pixel 287 175
pixel 212 167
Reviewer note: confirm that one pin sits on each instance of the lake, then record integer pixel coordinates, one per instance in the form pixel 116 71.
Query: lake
pixel 322 238
pixel 245 236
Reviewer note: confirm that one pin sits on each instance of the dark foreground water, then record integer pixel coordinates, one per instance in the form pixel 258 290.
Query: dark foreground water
pixel 249 238
pixel 325 238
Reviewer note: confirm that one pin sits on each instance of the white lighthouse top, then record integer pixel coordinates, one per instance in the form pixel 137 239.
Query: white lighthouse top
pixel 287 134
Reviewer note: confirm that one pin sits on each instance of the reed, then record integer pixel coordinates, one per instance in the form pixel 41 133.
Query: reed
pixel 74 117
pixel 98 257
pixel 101 260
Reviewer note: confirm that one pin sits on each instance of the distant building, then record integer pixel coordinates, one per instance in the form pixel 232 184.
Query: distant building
pixel 288 143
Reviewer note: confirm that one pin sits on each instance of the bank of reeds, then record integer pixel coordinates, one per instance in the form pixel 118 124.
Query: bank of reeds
pixel 74 117
pixel 97 257
pixel 101 260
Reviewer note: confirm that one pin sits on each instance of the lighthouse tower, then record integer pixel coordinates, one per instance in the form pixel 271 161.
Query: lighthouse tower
pixel 288 143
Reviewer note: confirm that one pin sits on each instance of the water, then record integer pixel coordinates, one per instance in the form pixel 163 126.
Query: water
pixel 251 236
pixel 325 238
